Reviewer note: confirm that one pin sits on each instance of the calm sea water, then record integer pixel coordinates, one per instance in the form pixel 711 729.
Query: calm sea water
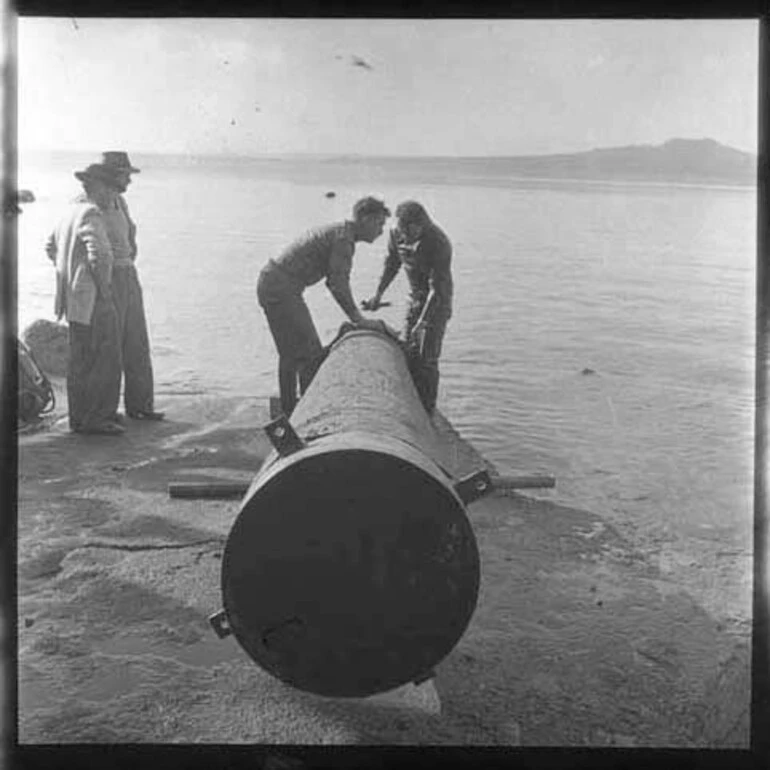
pixel 651 287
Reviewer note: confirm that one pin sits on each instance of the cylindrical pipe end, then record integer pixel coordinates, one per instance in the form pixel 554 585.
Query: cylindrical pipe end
pixel 350 572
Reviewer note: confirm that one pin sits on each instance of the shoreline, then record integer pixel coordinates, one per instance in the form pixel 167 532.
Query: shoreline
pixel 577 639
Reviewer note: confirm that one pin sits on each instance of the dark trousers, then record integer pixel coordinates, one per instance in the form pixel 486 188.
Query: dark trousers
pixel 299 348
pixel 423 355
pixel 93 370
pixel 138 384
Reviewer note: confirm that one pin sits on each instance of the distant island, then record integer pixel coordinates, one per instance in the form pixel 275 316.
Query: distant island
pixel 684 161
pixel 677 160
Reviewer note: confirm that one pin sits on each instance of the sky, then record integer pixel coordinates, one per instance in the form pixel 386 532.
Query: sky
pixel 383 86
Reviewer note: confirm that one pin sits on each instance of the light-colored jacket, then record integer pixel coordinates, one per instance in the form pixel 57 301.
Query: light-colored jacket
pixel 81 251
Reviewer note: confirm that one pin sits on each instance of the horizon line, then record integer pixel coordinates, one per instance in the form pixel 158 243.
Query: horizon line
pixel 354 156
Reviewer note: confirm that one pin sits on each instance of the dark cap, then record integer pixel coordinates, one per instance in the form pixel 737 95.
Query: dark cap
pixel 411 212
pixel 97 171
pixel 119 161
pixel 368 206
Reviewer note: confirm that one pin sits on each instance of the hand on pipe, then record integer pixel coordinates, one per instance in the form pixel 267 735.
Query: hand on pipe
pixel 374 304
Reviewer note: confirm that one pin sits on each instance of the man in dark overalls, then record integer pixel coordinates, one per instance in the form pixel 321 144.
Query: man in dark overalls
pixel 419 244
pixel 323 253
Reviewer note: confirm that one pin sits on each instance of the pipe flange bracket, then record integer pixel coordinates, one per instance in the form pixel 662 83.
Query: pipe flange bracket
pixel 220 625
pixel 470 488
pixel 283 437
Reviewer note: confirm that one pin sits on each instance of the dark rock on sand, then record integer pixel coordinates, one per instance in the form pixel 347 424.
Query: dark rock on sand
pixel 49 344
pixel 331 194
pixel 588 371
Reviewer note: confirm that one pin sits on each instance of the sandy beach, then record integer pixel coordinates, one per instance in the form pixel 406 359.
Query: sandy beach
pixel 577 639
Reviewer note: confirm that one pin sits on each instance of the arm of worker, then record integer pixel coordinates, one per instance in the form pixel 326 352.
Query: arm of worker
pixel 389 272
pixel 338 282
pixel 131 227
pixel 98 251
pixel 50 247
pixel 441 288
pixel 132 238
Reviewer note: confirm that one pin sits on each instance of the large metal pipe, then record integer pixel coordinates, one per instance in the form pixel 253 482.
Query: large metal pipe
pixel 352 568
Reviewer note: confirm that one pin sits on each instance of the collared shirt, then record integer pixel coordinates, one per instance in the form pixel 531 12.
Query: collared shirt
pixel 427 264
pixel 324 252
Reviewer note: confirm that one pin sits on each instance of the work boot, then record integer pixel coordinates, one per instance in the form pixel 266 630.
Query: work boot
pixel 147 415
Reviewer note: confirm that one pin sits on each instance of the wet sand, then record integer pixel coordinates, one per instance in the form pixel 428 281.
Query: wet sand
pixel 577 640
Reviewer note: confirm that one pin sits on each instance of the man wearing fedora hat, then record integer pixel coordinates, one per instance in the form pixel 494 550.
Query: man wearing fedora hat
pixel 138 384
pixel 81 251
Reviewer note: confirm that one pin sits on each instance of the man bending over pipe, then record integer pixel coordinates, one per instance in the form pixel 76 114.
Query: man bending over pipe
pixel 325 252
pixel 424 250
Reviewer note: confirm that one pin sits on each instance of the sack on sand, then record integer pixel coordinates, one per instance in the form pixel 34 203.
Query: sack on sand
pixel 36 396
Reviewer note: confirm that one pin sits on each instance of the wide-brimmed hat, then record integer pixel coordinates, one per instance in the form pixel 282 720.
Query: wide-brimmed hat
pixel 97 171
pixel 119 161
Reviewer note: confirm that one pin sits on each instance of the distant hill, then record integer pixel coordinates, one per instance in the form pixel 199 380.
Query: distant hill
pixel 693 161
pixel 682 160
pixel 686 161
